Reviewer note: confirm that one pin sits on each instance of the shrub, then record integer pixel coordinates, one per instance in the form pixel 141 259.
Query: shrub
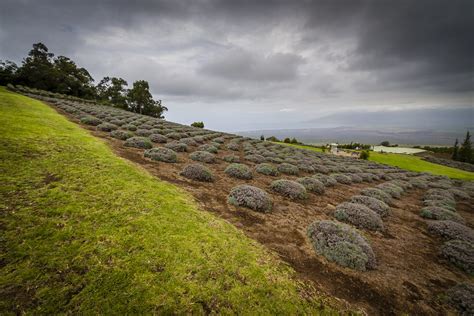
pixel 451 230
pixel 288 168
pixel 120 134
pixel 374 204
pixel 267 169
pixel 321 169
pixel 198 124
pixel 143 132
pixel 355 178
pixel 130 127
pixel 439 213
pixel 219 140
pixel 117 122
pixel 255 158
pixel 358 215
pixel 459 194
pixel 175 135
pixel 377 194
pixel 203 156
pixel 197 172
pixel 305 167
pixel 106 127
pixel 239 171
pixel 176 146
pixel 364 155
pixel 188 141
pixel 419 183
pixel 341 178
pixel 326 180
pixel 198 139
pixel 289 189
pixel 233 146
pixel 208 148
pixel 341 244
pixel 392 189
pixel 461 296
pixel 231 158
pixel 439 203
pixel 158 138
pixel 161 154
pixel 138 142
pixel 460 253
pixel 90 120
pixel 251 197
pixel 312 184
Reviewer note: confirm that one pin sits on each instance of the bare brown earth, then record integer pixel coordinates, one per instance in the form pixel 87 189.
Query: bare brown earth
pixel 410 277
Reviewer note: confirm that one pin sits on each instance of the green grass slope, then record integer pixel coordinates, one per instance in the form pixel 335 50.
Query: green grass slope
pixel 408 162
pixel 415 163
pixel 85 232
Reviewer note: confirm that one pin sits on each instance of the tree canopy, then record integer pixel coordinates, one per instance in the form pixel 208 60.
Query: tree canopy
pixel 41 70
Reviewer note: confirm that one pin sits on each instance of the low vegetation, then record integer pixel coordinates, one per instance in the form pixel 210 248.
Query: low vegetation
pixel 85 232
pixel 161 154
pixel 460 253
pixel 197 172
pixel 239 171
pixel 290 189
pixel 341 244
pixel 250 197
pixel 358 215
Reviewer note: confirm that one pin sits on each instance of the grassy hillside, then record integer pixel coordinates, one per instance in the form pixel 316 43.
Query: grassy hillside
pixel 86 232
pixel 415 163
pixel 409 162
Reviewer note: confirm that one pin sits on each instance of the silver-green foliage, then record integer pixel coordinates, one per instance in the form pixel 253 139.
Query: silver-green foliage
pixel 358 215
pixel 239 171
pixel 197 172
pixel 341 244
pixel 161 154
pixel 251 197
pixel 289 189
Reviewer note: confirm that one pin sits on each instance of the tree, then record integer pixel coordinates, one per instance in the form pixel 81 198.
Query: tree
pixel 37 70
pixel 294 141
pixel 287 140
pixel 113 90
pixel 385 143
pixel 8 72
pixel 272 139
pixel 465 152
pixel 455 155
pixel 72 80
pixel 198 124
pixel 364 154
pixel 141 101
pixel 262 137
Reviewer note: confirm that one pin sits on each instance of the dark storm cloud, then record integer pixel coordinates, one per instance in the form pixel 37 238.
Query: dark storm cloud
pixel 270 54
pixel 242 65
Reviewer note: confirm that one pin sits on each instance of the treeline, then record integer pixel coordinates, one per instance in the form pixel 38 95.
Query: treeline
pixel 463 153
pixel 40 69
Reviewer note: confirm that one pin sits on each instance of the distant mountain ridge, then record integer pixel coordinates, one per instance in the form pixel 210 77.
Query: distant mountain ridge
pixel 367 136
pixel 437 119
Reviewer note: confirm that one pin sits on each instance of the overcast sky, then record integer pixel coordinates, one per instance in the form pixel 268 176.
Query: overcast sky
pixel 242 65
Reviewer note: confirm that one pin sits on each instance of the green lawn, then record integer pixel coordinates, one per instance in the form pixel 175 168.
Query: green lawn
pixel 415 163
pixel 408 162
pixel 86 232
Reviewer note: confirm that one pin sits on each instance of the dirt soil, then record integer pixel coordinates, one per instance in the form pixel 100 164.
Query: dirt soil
pixel 410 276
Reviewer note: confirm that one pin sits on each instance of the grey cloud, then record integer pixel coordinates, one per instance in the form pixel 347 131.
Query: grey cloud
pixel 313 56
pixel 238 64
